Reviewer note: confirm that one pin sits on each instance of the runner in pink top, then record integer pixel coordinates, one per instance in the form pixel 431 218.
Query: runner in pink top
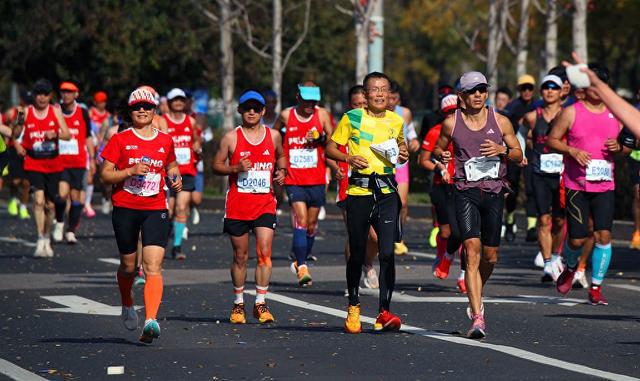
pixel 591 133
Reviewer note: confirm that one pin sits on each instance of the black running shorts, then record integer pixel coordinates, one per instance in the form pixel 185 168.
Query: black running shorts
pixel 479 215
pixel 129 223
pixel 582 205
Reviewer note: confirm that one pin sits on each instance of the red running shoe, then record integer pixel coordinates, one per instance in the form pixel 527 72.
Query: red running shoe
pixel 595 296
pixel 442 269
pixel 565 281
pixel 462 286
pixel 387 321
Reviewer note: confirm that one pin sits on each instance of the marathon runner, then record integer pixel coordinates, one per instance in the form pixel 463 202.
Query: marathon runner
pixel 375 140
pixel 136 161
pixel 100 122
pixel 255 160
pixel 547 167
pixel 503 97
pixel 402 171
pixel 73 154
pixel 44 127
pixel 591 132
pixel 307 129
pixel 482 142
pixel 186 141
pixel 19 184
pixel 631 147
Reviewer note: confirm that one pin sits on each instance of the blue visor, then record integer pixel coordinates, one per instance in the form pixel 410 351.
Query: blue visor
pixel 309 93
pixel 251 95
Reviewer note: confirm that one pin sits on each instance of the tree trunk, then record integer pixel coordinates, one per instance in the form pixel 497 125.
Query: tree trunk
pixel 493 47
pixel 551 37
pixel 580 29
pixel 376 37
pixel 523 39
pixel 276 57
pixel 226 63
pixel 362 40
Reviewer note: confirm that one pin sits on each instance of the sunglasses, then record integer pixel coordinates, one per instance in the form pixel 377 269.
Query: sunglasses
pixel 145 106
pixel 550 86
pixel 526 87
pixel 255 107
pixel 482 89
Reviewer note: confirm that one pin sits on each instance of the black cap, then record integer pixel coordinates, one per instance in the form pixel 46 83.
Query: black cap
pixel 42 86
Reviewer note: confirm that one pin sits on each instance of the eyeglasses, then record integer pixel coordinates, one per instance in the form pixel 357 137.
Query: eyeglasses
pixel 526 87
pixel 550 86
pixel 482 89
pixel 378 90
pixel 145 106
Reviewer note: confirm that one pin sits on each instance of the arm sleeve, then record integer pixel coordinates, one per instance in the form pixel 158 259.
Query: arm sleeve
pixel 342 133
pixel 627 139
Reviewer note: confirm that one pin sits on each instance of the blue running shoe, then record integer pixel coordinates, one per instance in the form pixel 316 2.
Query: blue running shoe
pixel 150 331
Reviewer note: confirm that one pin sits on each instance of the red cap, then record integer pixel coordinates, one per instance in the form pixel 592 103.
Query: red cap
pixel 69 86
pixel 100 97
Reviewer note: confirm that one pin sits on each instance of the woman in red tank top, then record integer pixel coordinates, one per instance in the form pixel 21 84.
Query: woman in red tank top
pixel 255 160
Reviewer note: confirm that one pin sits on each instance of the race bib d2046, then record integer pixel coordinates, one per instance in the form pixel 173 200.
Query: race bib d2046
pixel 254 182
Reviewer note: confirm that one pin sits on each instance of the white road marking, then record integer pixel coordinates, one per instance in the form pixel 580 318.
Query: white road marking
pixel 78 305
pixel 422 255
pixel 508 350
pixel 624 286
pixel 17 240
pixel 14 372
pixel 113 261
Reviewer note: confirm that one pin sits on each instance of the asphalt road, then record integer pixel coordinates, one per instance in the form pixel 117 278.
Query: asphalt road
pixel 60 319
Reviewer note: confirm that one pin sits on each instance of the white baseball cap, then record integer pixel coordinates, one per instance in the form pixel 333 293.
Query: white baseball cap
pixel 176 93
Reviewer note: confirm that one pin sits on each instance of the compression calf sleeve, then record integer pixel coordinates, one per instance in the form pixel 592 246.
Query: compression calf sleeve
pixel 125 282
pixel 300 245
pixel 152 295
pixel 571 255
pixel 600 260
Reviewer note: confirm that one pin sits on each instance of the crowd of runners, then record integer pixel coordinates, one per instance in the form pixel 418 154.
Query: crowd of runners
pixel 147 159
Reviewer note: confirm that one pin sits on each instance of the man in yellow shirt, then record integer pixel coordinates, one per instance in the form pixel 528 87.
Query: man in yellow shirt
pixel 376 144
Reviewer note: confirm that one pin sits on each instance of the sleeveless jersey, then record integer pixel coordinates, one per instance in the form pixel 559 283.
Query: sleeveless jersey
pixel 98 119
pixel 589 132
pixel 42 154
pixel 250 193
pixel 182 135
pixel 306 161
pixel 472 170
pixel 541 153
pixel 73 152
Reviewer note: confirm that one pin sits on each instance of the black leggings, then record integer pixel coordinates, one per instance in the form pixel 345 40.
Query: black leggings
pixel 383 215
pixel 513 176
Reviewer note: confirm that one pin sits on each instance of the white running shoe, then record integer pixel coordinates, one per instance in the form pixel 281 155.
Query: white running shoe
pixel 503 230
pixel 58 231
pixel 323 214
pixel 40 250
pixel 370 277
pixel 70 237
pixel 185 233
pixel 47 247
pixel 195 216
pixel 539 261
pixel 557 267
pixel 581 278
pixel 106 206
pixel 130 318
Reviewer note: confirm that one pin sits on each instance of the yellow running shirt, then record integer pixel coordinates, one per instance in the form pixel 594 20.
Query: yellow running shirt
pixel 359 130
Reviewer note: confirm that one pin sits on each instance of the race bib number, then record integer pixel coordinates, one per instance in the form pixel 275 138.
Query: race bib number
pixel 480 168
pixel 68 147
pixel 303 158
pixel 599 170
pixel 144 186
pixel 44 150
pixel 254 182
pixel 183 155
pixel 551 163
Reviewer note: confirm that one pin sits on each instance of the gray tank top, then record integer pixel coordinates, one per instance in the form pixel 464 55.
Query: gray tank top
pixel 466 145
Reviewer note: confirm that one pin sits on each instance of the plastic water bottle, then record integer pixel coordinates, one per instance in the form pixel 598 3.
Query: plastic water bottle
pixel 144 160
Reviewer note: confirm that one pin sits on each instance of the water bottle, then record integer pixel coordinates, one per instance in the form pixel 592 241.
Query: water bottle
pixel 144 160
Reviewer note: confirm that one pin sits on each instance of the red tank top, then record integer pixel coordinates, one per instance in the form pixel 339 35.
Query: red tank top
pixel 42 154
pixel 250 194
pixel 73 152
pixel 305 159
pixel 182 135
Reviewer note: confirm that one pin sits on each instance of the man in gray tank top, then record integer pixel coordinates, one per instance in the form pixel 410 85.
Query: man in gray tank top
pixel 483 141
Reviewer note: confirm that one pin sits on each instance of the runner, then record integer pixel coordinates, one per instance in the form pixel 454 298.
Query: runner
pixel 482 140
pixel 100 123
pixel 547 167
pixel 307 129
pixel 136 161
pixel 591 131
pixel 372 195
pixel 44 127
pixel 255 160
pixel 19 184
pixel 402 171
pixel 503 97
pixel 186 141
pixel 448 239
pixel 73 154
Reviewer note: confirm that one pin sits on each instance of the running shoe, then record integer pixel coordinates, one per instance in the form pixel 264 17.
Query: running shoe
pixel 304 278
pixel 176 253
pixel 546 277
pixel 635 241
pixel 322 214
pixel 352 322
pixel 477 330
pixel 565 281
pixel 532 235
pixel 510 232
pixel 262 313
pixel 40 250
pixel 70 237
pixel 442 269
pixel 12 207
pixel 129 318
pixel 539 260
pixel 370 277
pixel 237 314
pixel 433 237
pixel 503 230
pixel 312 258
pixel 24 213
pixel 140 278
pixel 185 233
pixel 47 247
pixel 462 286
pixel 470 314
pixel 150 331
pixel 88 211
pixel 106 206
pixel 386 321
pixel 399 248
pixel 557 267
pixel 58 231
pixel 195 216
pixel 580 280
pixel 595 296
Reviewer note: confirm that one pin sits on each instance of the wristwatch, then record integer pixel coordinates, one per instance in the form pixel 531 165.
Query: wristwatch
pixel 506 152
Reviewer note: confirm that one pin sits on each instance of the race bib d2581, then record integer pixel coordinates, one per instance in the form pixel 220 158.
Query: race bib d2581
pixel 303 158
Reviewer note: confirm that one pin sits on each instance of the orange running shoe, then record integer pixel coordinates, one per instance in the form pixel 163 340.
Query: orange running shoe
pixel 352 323
pixel 237 314
pixel 635 241
pixel 387 321
pixel 304 278
pixel 262 313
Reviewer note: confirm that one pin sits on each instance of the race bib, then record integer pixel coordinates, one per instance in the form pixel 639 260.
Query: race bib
pixel 68 147
pixel 599 170
pixel 254 182
pixel 183 155
pixel 480 168
pixel 144 186
pixel 551 163
pixel 303 158
pixel 44 150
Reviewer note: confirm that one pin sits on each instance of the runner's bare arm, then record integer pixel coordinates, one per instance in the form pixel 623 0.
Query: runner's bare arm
pixel 227 146
pixel 424 160
pixel 197 141
pixel 162 125
pixel 173 173
pixel 325 119
pixel 110 175
pixel 561 127
pixel 282 120
pixel 5 130
pixel 412 136
pixel 509 137
pixel 440 151
pixel 332 152
pixel 281 159
pixel 64 133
